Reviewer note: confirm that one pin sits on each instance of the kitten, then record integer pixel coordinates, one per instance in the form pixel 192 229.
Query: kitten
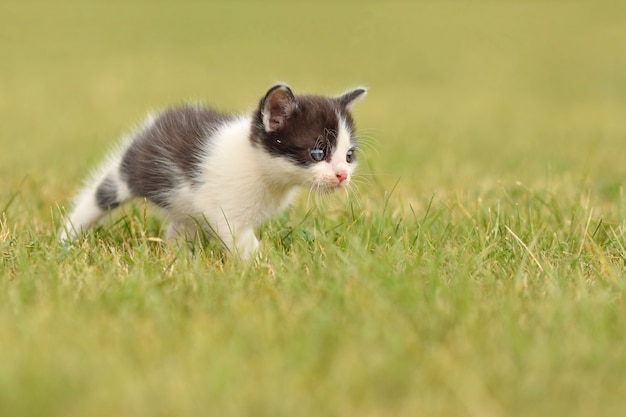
pixel 224 172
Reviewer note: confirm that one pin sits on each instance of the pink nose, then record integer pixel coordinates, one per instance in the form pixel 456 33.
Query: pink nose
pixel 341 176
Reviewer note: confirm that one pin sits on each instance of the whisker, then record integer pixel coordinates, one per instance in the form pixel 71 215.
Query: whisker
pixel 346 191
pixel 311 192
pixel 367 147
pixel 318 196
pixel 353 195
pixel 370 129
pixel 364 178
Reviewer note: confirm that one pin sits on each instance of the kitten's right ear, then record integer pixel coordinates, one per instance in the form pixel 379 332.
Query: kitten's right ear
pixel 277 106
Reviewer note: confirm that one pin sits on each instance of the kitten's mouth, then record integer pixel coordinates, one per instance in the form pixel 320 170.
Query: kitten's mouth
pixel 330 187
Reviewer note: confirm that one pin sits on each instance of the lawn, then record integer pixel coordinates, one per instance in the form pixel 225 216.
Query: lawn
pixel 477 268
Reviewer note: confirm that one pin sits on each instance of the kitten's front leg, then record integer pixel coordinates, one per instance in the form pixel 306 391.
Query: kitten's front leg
pixel 245 243
pixel 238 239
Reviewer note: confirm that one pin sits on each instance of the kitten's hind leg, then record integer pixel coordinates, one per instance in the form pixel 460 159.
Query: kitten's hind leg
pixel 94 201
pixel 181 228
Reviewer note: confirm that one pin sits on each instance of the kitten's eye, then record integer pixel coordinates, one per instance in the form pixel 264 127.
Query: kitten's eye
pixel 318 154
pixel 350 156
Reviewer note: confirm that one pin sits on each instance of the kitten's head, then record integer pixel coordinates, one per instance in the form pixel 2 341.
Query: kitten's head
pixel 314 134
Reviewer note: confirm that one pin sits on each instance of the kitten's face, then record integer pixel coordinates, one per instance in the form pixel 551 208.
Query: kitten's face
pixel 315 134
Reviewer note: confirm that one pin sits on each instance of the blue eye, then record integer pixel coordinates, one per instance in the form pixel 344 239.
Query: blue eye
pixel 350 156
pixel 318 154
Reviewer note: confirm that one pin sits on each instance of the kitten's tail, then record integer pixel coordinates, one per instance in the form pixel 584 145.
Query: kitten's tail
pixel 105 191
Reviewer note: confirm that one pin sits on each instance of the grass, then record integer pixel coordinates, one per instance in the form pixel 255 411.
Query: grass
pixel 479 270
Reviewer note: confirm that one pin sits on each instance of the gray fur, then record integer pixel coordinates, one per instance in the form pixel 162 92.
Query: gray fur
pixel 169 152
pixel 106 194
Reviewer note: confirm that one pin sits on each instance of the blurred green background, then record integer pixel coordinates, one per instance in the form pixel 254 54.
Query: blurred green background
pixel 472 106
pixel 461 93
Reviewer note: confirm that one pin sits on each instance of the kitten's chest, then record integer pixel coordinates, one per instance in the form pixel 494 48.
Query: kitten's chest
pixel 239 177
pixel 242 198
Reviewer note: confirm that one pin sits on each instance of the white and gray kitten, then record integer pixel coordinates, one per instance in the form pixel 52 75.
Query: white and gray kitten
pixel 223 172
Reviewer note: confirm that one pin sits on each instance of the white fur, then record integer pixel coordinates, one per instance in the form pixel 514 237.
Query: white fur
pixel 85 210
pixel 241 187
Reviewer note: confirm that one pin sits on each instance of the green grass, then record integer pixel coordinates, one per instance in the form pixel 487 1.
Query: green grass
pixel 479 270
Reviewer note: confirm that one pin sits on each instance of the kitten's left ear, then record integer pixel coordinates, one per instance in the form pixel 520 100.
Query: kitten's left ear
pixel 277 106
pixel 348 99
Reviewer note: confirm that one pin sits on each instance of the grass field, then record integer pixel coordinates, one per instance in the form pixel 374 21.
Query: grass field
pixel 478 271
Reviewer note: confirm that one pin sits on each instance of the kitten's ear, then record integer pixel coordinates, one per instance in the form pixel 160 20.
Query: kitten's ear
pixel 348 99
pixel 277 106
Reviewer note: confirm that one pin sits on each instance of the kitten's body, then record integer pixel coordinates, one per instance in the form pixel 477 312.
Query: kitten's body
pixel 225 173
